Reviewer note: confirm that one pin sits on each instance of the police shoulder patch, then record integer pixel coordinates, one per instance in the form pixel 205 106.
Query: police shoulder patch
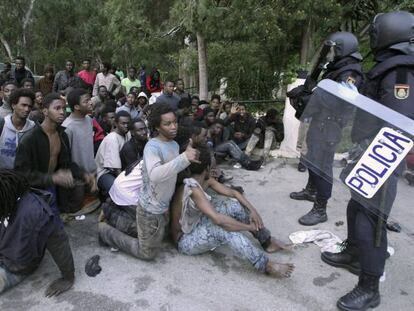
pixel 350 80
pixel 401 91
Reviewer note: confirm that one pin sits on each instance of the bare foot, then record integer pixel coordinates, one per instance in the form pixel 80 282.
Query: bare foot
pixel 277 245
pixel 279 270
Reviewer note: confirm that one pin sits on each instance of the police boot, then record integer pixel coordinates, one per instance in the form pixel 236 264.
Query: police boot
pixel 316 215
pixel 309 194
pixel 365 295
pixel 347 258
pixel 251 165
pixel 112 237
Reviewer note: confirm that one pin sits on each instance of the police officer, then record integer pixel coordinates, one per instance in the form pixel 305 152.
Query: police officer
pixel 326 125
pixel 390 82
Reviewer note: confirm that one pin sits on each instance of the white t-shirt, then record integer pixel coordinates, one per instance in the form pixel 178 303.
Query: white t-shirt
pixel 124 190
pixel 108 153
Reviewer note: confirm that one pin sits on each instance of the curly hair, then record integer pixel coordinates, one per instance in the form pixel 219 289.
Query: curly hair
pixel 156 111
pixel 12 186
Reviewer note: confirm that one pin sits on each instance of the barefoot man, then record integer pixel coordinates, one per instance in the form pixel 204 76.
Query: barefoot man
pixel 198 227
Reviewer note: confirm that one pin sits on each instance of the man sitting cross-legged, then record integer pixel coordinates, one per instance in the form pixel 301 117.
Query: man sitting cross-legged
pixel 198 227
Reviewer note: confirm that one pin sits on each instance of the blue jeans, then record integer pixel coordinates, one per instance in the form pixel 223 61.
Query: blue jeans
pixel 207 236
pixel 8 279
pixel 105 182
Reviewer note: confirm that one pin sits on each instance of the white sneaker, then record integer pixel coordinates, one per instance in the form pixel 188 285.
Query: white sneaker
pixel 237 165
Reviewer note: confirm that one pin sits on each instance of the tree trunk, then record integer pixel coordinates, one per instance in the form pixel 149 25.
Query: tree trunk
pixel 6 47
pixel 202 67
pixel 26 21
pixel 305 46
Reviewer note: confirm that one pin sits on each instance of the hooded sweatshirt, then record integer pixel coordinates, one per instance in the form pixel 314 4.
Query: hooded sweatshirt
pixel 9 139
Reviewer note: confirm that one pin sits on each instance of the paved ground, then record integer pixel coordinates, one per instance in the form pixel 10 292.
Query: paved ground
pixel 220 281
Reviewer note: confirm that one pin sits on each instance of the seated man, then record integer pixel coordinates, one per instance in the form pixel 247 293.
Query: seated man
pixel 24 211
pixel 223 148
pixel 198 227
pixel 108 160
pixel 241 125
pixel 268 129
pixel 133 149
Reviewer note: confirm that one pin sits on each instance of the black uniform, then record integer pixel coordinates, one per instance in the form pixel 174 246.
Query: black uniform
pixel 325 129
pixel 393 72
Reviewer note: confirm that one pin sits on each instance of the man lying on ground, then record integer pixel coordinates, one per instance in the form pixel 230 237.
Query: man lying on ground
pixel 198 227
pixel 28 226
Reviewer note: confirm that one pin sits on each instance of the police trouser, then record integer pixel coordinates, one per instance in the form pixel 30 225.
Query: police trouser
pixel 362 230
pixel 322 186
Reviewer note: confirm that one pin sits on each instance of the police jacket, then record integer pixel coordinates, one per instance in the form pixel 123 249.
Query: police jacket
pixel 391 83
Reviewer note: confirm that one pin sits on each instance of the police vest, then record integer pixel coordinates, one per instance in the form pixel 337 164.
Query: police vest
pixel 390 83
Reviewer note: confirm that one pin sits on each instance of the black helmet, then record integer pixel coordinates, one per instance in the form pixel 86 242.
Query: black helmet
pixel 394 30
pixel 346 44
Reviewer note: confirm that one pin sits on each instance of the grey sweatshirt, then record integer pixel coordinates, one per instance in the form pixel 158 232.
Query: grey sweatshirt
pixel 80 134
pixel 9 140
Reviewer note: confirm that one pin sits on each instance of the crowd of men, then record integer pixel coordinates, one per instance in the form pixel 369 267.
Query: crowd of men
pixel 148 151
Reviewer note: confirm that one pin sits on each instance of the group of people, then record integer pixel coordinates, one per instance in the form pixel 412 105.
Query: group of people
pixel 153 165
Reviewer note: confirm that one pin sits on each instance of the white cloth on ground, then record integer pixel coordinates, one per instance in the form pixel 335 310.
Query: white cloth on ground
pixel 326 240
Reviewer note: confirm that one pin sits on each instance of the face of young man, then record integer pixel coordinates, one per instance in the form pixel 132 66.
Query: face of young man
pixel 180 86
pixel 217 129
pixel 85 105
pixel 242 111
pixel 69 66
pixel 122 125
pixel 215 103
pixel 210 117
pixel 28 85
pixel 102 92
pixel 49 75
pixel 142 101
pixel 227 109
pixel 56 111
pixel 131 73
pixel 200 138
pixel 110 118
pixel 168 126
pixel 140 131
pixel 86 65
pixel 38 99
pixel 19 64
pixel 23 107
pixel 131 99
pixel 169 88
pixel 7 90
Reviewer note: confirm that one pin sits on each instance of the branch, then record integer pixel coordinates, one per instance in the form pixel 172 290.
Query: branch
pixel 26 20
pixel 6 47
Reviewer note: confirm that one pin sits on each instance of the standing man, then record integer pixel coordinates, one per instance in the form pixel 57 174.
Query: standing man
pixel 107 79
pixel 8 88
pixel 79 129
pixel 389 82
pixel 45 84
pixel 44 156
pixel 87 75
pixel 168 96
pixel 162 163
pixel 325 129
pixel 66 78
pixel 180 90
pixel 15 125
pixel 20 72
pixel 131 80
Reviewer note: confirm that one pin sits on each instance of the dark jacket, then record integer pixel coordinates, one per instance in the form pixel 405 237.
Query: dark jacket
pixel 244 125
pixel 23 241
pixel 277 127
pixel 132 151
pixel 33 155
pixel 171 100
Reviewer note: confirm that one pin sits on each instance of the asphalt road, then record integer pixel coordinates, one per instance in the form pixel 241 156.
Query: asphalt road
pixel 219 280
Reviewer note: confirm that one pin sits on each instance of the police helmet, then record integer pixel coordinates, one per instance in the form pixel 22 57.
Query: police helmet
pixel 393 30
pixel 346 44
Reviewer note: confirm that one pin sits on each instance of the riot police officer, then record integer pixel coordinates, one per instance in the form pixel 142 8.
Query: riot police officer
pixel 326 125
pixel 390 82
